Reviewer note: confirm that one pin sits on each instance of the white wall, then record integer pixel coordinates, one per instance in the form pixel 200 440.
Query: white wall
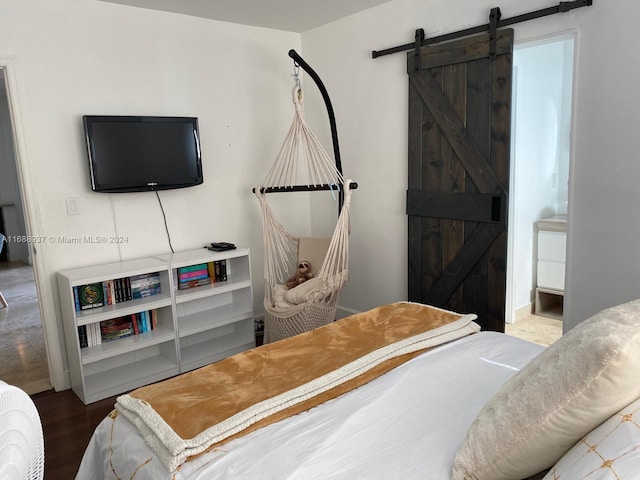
pixel 75 57
pixel 604 263
pixel 370 101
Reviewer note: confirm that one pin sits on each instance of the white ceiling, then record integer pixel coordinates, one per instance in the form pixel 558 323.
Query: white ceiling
pixel 289 15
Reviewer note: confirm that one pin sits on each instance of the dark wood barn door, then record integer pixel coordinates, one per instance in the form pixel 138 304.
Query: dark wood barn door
pixel 459 145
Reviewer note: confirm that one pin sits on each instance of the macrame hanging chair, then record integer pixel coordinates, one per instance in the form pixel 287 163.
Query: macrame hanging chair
pixel 302 161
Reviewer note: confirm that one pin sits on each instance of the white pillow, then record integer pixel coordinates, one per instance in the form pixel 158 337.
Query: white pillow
pixel 611 451
pixel 279 292
pixel 300 293
pixel 570 388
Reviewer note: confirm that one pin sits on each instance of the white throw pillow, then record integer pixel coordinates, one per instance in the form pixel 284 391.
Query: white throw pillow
pixel 611 451
pixel 565 392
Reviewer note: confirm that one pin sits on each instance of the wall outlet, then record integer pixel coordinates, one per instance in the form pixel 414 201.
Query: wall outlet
pixel 72 205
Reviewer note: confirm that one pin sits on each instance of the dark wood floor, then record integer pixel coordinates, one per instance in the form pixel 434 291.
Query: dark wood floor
pixel 67 424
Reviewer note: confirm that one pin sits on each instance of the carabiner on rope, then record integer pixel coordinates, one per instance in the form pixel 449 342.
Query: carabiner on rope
pixel 296 74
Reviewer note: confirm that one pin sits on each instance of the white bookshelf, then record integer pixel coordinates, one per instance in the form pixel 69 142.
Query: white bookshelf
pixel 195 326
pixel 216 320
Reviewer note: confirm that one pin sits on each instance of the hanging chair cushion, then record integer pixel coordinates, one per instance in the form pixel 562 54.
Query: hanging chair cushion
pixel 284 298
pixel 301 293
pixel 313 250
pixel 278 297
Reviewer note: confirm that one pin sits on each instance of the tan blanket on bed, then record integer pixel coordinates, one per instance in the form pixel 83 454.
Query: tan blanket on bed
pixel 191 413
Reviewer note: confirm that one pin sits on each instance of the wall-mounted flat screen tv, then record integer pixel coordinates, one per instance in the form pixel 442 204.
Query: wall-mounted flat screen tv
pixel 137 154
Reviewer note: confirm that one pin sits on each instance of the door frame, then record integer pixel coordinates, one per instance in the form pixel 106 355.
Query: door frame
pixel 510 307
pixel 33 225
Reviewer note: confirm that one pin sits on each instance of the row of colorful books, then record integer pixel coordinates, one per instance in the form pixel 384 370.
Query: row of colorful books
pixel 201 274
pixel 116 328
pixel 114 291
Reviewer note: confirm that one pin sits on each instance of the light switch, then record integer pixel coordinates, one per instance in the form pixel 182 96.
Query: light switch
pixel 72 205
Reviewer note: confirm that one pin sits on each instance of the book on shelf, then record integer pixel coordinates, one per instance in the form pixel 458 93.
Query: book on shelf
pixel 144 277
pixel 89 335
pixel 115 329
pixel 93 334
pixel 145 285
pixel 154 319
pixel 141 325
pixel 146 292
pixel 90 296
pixel 221 270
pixel 192 268
pixel 107 292
pixel 143 322
pixel 76 299
pixel 126 289
pixel 201 274
pixel 142 292
pixel 193 275
pixel 134 324
pixel 82 336
pixel 211 268
pixel 194 283
pixel 96 333
pixel 116 290
pixel 122 287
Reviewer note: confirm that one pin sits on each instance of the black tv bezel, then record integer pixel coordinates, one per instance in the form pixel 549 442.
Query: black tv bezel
pixel 88 120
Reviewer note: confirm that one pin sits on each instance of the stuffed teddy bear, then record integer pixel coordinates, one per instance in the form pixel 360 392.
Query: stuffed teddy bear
pixel 303 273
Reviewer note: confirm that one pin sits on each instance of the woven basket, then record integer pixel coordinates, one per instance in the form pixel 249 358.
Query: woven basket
pixel 297 320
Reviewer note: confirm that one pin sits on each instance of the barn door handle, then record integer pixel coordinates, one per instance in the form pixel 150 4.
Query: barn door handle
pixel 496 208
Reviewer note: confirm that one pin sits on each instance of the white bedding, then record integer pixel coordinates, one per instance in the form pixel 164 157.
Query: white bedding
pixel 407 424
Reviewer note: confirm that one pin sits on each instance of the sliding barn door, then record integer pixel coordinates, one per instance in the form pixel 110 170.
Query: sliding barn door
pixel 459 144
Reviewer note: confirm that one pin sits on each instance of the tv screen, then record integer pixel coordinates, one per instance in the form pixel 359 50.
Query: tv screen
pixel 136 154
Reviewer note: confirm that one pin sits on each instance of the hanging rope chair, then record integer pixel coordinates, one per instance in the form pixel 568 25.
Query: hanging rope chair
pixel 302 161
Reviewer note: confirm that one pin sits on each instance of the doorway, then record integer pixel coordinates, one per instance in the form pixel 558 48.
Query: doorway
pixel 23 356
pixel 541 128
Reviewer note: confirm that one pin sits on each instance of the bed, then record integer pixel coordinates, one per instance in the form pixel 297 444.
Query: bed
pixel 478 405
